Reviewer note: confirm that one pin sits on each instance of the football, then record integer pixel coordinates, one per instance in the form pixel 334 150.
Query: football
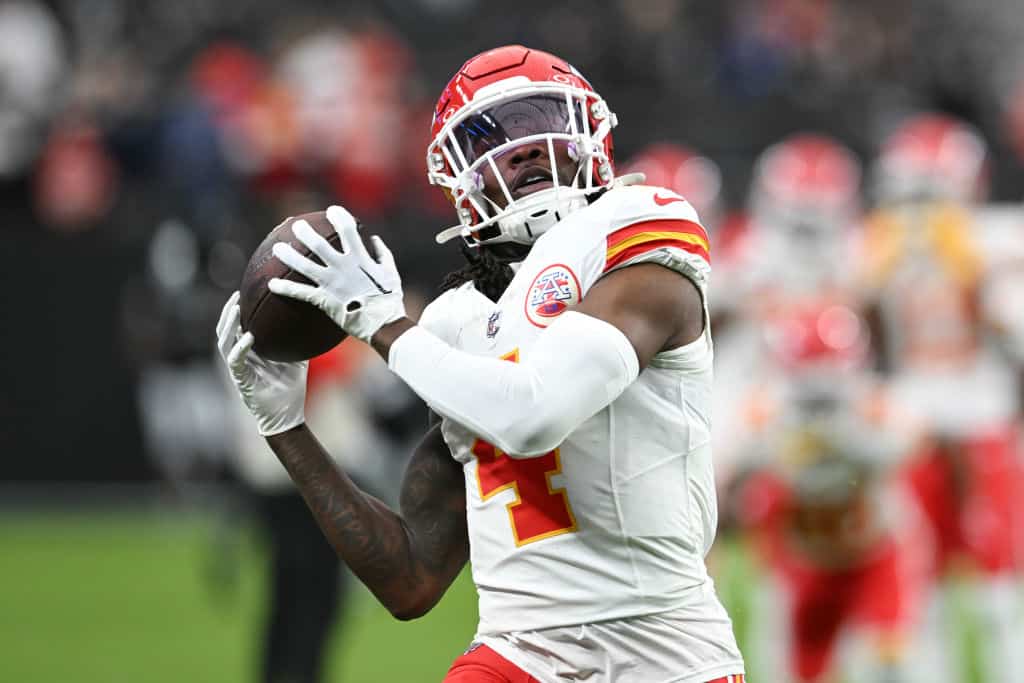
pixel 285 329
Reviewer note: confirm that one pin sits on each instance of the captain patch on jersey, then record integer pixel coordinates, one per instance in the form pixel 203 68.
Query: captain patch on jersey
pixel 553 291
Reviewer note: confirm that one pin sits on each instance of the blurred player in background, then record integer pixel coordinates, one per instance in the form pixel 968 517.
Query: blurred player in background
pixel 796 247
pixel 804 218
pixel 570 363
pixel 829 513
pixel 685 172
pixel 925 275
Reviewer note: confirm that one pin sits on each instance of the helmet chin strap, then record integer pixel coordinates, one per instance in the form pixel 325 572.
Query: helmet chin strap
pixel 527 225
pixel 540 224
pixel 531 222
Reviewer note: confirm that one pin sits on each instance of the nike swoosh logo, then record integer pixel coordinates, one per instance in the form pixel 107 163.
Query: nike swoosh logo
pixel 665 201
pixel 374 281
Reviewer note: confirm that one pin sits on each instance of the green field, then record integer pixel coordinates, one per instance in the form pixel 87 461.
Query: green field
pixel 159 597
pixel 102 599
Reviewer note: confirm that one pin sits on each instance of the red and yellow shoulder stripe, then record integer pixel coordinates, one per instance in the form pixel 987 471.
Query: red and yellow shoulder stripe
pixel 633 240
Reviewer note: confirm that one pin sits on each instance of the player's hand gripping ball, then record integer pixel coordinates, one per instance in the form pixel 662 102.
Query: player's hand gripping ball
pixel 286 329
pixel 359 290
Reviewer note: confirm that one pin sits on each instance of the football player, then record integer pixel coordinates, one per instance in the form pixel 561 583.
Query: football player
pixel 572 376
pixel 795 249
pixel 926 275
pixel 804 219
pixel 827 508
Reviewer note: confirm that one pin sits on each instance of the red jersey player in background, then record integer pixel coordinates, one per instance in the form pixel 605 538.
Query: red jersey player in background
pixel 572 374
pixel 926 274
pixel 827 507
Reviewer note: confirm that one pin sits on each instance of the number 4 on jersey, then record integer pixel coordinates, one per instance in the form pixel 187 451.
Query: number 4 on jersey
pixel 539 511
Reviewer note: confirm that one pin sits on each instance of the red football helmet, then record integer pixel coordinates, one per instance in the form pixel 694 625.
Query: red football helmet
pixel 683 171
pixel 499 101
pixel 932 156
pixel 806 181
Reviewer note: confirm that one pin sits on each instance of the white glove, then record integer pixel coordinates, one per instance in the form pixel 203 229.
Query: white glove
pixel 358 292
pixel 275 393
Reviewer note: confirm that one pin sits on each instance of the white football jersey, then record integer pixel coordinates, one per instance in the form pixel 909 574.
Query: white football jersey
pixel 615 522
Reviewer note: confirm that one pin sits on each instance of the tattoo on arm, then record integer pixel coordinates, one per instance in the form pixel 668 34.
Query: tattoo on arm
pixel 407 560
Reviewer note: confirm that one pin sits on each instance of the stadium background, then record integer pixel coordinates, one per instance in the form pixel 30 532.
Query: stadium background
pixel 146 147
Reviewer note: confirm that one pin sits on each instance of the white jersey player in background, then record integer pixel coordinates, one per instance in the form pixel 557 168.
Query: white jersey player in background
pixel 575 401
pixel 794 250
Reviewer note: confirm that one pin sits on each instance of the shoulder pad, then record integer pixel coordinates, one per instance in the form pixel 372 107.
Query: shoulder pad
pixel 651 223
pixel 646 202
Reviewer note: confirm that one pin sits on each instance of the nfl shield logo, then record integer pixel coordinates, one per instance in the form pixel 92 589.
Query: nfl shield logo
pixel 493 324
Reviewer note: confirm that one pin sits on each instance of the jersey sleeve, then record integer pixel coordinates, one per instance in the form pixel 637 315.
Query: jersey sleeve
pixel 437 317
pixel 655 225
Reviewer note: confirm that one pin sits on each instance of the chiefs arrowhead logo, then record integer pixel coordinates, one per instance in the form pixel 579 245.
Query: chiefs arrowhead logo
pixel 665 201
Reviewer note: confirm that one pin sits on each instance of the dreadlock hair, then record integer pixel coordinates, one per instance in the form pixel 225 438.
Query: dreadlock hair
pixel 488 274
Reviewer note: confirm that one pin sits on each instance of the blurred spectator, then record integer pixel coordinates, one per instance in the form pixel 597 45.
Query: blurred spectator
pixel 33 70
pixel 76 180
pixel 347 93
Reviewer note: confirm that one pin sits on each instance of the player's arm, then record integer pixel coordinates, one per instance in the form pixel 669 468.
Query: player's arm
pixel 579 364
pixel 655 308
pixel 407 560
